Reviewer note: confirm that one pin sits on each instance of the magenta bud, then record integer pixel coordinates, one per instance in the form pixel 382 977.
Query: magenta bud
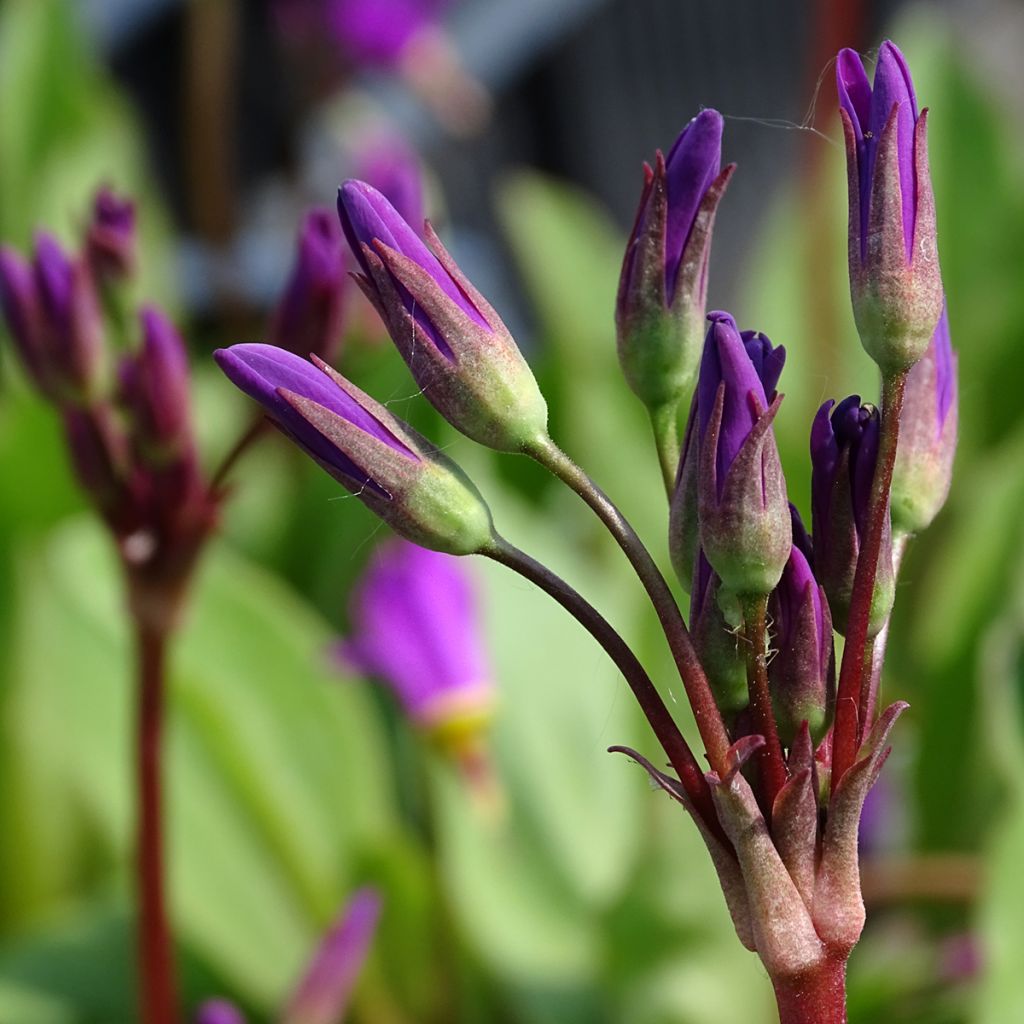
pixel 415 626
pixel 928 431
pixel 895 279
pixel 844 451
pixel 324 993
pixel 110 241
pixel 453 341
pixel 23 315
pixel 659 311
pixel 392 167
pixel 798 672
pixel 743 512
pixel 396 472
pixel 307 320
pixel 219 1011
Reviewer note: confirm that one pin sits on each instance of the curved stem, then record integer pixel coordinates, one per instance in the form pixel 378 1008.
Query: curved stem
pixel 665 729
pixel 695 682
pixel 772 764
pixel 848 698
pixel 158 990
pixel 665 427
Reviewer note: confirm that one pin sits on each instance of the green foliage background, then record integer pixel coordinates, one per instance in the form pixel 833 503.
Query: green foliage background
pixel 289 786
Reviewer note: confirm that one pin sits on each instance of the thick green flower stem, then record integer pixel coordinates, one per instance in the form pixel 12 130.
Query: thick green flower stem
pixel 771 763
pixel 665 729
pixel 851 696
pixel 698 691
pixel 157 985
pixel 816 997
pixel 665 426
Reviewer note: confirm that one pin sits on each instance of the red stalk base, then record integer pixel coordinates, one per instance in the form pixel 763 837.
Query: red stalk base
pixel 815 997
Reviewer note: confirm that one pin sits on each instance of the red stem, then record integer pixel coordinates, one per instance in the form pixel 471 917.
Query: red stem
pixel 815 997
pixel 158 992
pixel 848 728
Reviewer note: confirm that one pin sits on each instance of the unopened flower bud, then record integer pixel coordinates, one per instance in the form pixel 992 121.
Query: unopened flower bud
pixel 219 1011
pixel 716 636
pixel 110 242
pixel 844 451
pixel 928 428
pixel 324 992
pixel 745 528
pixel 456 346
pixel 397 473
pixel 895 280
pixel 23 314
pixel 391 166
pixel 307 320
pixel 415 626
pixel 659 311
pixel 798 673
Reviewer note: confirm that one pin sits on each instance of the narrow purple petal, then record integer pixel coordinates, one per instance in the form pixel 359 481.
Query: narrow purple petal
pixel 55 280
pixel 945 371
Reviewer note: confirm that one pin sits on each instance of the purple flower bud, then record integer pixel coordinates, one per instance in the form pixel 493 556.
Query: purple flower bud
pixel 22 312
pixel 894 269
pixel 799 671
pixel 663 286
pixel 397 473
pixel 716 638
pixel 416 627
pixel 323 995
pixel 110 241
pixel 844 450
pixel 928 429
pixel 456 346
pixel 307 320
pixel 743 513
pixel 392 167
pixel 219 1011
pixel 377 32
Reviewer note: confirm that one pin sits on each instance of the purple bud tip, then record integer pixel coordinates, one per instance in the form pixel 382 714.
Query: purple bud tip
pixel 323 994
pixel 263 372
pixel 54 279
pixel 219 1011
pixel 392 168
pixel 111 211
pixel 416 626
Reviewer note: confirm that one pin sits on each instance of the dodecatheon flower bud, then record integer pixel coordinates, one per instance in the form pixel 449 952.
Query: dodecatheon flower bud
pixel 743 512
pixel 54 319
pixel 928 427
pixel 894 265
pixel 716 636
pixel 397 473
pixel 415 626
pixel 110 241
pixel 323 994
pixel 219 1011
pixel 456 346
pixel 659 311
pixel 844 450
pixel 798 674
pixel 307 320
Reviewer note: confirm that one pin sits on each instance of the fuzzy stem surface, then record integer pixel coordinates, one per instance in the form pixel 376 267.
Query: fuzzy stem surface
pixel 850 698
pixel 814 997
pixel 698 691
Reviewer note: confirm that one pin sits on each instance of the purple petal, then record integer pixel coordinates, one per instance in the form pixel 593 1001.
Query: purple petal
pixel 393 169
pixel 945 371
pixel 854 89
pixel 54 276
pixel 693 164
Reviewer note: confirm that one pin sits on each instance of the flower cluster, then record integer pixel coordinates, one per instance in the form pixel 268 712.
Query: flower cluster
pixel 793 739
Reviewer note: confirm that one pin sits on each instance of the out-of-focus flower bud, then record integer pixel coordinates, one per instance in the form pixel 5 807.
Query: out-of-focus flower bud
pixel 895 280
pixel 219 1011
pixel 745 528
pixel 392 167
pixel 23 314
pixel 799 671
pixel 415 626
pixel 397 473
pixel 928 427
pixel 456 346
pixel 323 994
pixel 844 450
pixel 716 636
pixel 307 320
pixel 110 241
pixel 659 311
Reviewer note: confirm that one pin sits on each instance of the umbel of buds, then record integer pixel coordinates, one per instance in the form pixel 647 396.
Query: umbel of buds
pixel 397 473
pixel 844 452
pixel 928 428
pixel 456 346
pixel 894 265
pixel 659 312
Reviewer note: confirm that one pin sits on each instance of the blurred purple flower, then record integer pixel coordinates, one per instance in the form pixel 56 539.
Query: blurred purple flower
pixel 323 994
pixel 110 241
pixel 219 1011
pixel 392 167
pixel 415 626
